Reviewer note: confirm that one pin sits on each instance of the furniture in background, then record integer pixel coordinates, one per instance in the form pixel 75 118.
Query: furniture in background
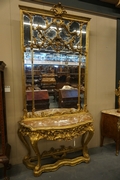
pixel 4 146
pixel 48 82
pixel 110 126
pixel 58 87
pixel 41 99
pixel 4 159
pixel 68 98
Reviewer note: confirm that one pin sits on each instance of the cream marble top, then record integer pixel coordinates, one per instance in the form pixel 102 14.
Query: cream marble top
pixel 112 112
pixel 57 121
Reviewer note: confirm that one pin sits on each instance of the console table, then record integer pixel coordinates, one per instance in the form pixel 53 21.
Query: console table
pixel 110 126
pixel 55 124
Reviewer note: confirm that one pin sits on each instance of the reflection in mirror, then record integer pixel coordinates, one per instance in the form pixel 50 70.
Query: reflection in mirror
pixel 54 60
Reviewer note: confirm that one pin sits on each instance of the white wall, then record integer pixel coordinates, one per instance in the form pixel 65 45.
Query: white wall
pixel 101 71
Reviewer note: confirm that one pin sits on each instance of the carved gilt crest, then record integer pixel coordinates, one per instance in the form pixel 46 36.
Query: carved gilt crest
pixel 58 10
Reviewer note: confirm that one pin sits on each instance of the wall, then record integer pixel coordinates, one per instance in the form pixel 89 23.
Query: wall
pixel 101 71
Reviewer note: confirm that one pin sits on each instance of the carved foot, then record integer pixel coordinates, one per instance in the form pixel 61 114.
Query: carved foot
pixel 37 167
pixel 85 152
pixel 117 152
pixel 26 157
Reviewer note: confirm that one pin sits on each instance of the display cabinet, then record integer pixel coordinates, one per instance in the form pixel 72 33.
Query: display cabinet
pixel 4 146
pixel 3 131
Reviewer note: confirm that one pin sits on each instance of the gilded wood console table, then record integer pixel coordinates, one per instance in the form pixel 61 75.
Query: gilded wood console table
pixel 55 124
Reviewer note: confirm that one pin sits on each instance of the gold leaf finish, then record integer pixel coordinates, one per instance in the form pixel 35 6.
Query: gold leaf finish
pixel 66 126
pixel 61 33
pixel 58 10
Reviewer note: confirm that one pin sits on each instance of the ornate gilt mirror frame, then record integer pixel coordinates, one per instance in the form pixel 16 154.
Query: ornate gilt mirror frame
pixel 54 45
pixel 56 31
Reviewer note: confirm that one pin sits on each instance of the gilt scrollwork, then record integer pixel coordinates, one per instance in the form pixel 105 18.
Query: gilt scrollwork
pixel 58 10
pixel 58 32
pixel 56 134
pixel 63 39
pixel 85 130
pixel 59 153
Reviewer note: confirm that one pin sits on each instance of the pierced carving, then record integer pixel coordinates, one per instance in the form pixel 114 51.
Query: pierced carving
pixel 56 134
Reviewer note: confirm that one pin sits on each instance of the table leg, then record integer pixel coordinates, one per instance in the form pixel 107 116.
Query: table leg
pixel 24 141
pixel 101 140
pixel 86 137
pixel 117 147
pixel 34 144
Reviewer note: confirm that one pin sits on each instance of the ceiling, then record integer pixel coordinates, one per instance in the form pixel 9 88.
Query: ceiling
pixel 110 1
pixel 105 3
pixel 106 8
pixel 115 2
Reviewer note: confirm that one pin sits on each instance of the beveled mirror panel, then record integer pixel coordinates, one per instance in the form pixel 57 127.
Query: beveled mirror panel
pixel 55 55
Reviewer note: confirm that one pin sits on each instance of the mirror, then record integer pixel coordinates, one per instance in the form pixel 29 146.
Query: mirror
pixel 55 55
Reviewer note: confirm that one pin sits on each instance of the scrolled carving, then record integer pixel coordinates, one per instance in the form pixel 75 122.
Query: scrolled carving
pixel 64 36
pixel 58 10
pixel 57 134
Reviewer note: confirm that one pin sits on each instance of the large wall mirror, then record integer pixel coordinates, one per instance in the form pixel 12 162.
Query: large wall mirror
pixel 55 58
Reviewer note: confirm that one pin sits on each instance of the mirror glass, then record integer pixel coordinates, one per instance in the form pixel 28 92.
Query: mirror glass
pixel 54 61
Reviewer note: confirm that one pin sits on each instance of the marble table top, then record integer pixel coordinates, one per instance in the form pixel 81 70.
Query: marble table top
pixel 111 112
pixel 57 121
